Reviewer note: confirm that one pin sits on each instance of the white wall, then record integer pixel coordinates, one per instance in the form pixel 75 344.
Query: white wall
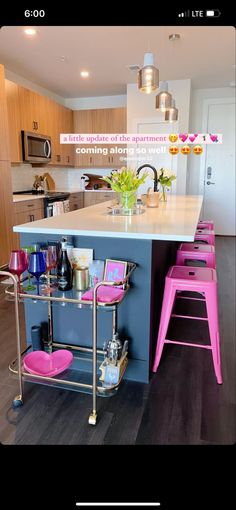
pixel 142 106
pixel 90 103
pixel 23 176
pixel 65 178
pixel 195 126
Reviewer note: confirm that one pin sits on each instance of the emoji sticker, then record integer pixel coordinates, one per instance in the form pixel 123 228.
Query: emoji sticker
pixel 185 149
pixel 173 149
pixel 197 149
pixel 173 138
pixel 213 138
pixel 192 138
pixel 183 137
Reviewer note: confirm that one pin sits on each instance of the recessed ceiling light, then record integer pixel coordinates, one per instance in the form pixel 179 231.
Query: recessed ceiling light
pixel 84 74
pixel 30 31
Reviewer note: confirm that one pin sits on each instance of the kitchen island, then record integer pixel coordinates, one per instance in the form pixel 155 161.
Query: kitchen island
pixel 150 240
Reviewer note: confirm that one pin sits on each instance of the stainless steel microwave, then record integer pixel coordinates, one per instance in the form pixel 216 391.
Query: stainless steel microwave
pixel 36 148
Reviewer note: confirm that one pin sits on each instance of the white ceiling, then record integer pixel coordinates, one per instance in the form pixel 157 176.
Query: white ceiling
pixel 204 54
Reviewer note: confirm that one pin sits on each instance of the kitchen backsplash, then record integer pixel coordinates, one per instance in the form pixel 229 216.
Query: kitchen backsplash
pixel 65 178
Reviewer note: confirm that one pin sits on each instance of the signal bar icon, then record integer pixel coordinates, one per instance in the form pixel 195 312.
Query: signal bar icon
pixel 185 14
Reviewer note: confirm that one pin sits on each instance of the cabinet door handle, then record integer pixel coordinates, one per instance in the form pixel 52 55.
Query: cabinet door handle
pixel 29 205
pixel 68 159
pixel 90 159
pixel 31 216
pixel 58 157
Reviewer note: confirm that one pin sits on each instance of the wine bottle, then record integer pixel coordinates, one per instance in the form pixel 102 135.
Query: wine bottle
pixel 64 270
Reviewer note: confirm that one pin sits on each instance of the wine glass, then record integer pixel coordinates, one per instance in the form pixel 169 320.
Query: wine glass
pixel 37 266
pixel 52 260
pixel 50 256
pixel 28 250
pixel 17 264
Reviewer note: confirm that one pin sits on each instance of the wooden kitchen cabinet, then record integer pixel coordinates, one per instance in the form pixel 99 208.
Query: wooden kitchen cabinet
pixel 6 219
pixel 34 111
pixel 76 201
pixel 61 121
pixel 96 197
pixel 13 110
pixel 104 120
pixel 4 138
pixel 26 212
pixel 30 111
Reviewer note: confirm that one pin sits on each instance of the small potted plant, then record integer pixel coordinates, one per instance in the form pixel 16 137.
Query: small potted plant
pixel 126 182
pixel 165 179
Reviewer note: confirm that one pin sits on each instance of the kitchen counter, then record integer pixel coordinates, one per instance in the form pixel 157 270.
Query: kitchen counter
pixel 23 198
pixel 150 240
pixel 102 190
pixel 174 220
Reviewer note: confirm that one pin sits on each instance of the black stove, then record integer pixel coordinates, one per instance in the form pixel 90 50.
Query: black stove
pixel 51 195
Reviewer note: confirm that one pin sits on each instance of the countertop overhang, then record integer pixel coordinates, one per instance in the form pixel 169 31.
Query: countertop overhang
pixel 174 220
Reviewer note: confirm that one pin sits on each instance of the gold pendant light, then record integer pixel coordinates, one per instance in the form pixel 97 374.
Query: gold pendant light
pixel 148 76
pixel 163 99
pixel 171 115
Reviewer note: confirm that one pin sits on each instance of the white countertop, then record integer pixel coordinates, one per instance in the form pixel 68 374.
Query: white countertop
pixel 23 198
pixel 174 220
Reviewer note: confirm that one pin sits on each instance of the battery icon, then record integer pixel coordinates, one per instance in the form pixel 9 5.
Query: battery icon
pixel 213 13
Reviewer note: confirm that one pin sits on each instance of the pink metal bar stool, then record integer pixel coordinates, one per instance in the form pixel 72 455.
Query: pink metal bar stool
pixel 194 251
pixel 206 224
pixel 194 279
pixel 205 236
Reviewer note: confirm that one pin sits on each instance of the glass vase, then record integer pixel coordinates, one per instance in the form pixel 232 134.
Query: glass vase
pixel 163 194
pixel 127 201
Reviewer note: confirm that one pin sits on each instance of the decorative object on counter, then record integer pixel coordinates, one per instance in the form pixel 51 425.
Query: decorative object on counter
pixel 105 294
pixel 28 250
pixel 36 338
pixel 49 365
pixel 81 257
pixel 37 266
pixel 81 278
pixel 152 199
pixel 126 182
pixel 64 269
pixel 50 181
pixel 18 264
pixel 165 180
pixel 95 180
pixel 115 270
pixel 96 270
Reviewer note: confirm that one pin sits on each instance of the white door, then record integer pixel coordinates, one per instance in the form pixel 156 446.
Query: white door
pixel 219 171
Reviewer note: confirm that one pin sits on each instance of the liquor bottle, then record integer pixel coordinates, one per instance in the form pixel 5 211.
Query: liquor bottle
pixel 64 269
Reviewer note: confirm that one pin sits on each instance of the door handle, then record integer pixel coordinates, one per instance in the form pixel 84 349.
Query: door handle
pixel 209 171
pixel 209 182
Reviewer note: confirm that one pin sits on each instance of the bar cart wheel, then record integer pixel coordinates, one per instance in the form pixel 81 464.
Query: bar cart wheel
pixel 92 418
pixel 17 401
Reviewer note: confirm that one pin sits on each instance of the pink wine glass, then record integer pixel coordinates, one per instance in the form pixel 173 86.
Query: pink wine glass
pixel 17 264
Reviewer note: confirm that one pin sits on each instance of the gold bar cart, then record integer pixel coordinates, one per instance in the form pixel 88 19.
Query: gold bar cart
pixel 97 388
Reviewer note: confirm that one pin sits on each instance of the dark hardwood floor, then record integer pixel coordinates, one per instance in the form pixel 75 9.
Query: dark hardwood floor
pixel 183 404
